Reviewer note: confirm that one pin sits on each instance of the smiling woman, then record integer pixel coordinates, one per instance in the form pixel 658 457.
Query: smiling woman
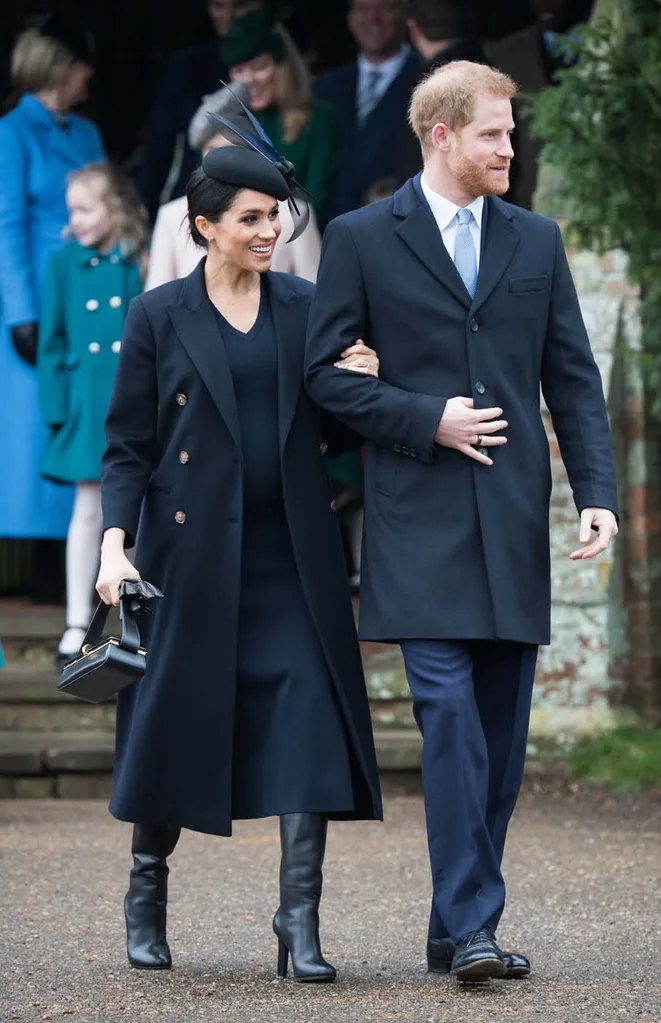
pixel 253 703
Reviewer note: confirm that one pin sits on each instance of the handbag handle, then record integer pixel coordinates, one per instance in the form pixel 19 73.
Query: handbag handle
pixel 130 640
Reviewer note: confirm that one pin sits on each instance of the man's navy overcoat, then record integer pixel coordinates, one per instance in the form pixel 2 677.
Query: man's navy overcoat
pixel 455 549
pixel 174 463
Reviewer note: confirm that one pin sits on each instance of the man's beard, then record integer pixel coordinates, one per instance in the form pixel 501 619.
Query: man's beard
pixel 475 179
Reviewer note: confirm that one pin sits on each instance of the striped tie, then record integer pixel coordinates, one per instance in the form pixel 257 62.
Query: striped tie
pixel 369 96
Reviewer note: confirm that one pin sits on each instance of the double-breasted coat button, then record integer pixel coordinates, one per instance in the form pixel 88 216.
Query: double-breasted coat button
pixel 180 517
pixel 114 259
pixel 94 261
pixel 116 345
pixel 184 457
pixel 92 305
pixel 479 387
pixel 182 400
pixel 397 448
pixel 115 302
pixel 323 448
pixel 94 347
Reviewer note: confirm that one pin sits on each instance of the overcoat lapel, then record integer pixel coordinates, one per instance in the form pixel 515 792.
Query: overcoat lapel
pixel 419 231
pixel 289 314
pixel 194 321
pixel 500 244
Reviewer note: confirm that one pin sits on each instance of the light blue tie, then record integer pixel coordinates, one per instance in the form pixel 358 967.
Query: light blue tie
pixel 465 256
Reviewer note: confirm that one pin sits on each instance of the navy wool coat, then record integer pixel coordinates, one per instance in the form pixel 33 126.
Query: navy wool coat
pixel 173 465
pixel 455 549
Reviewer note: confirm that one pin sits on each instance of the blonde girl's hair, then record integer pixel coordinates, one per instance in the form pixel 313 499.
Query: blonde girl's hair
pixel 38 62
pixel 128 215
pixel 447 96
pixel 293 88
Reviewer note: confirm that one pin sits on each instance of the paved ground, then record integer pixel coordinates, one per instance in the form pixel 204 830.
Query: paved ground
pixel 585 903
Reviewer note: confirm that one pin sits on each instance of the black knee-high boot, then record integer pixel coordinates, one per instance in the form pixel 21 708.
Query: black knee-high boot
pixel 145 905
pixel 296 923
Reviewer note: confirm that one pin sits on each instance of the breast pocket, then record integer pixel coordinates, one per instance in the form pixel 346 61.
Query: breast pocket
pixel 525 285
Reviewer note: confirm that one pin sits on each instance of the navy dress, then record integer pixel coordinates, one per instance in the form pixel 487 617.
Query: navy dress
pixel 291 749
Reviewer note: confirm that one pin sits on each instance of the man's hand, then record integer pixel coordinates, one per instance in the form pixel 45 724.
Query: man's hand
pixel 466 429
pixel 605 523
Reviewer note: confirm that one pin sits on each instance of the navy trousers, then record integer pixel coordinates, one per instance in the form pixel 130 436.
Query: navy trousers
pixel 471 700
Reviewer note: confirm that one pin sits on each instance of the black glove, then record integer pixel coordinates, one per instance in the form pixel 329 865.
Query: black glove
pixel 24 338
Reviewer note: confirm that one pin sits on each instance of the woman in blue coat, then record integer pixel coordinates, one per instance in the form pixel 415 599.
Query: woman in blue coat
pixel 41 142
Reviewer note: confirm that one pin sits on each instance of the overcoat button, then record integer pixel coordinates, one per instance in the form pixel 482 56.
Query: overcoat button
pixel 114 259
pixel 184 457
pixel 94 347
pixel 397 448
pixel 180 517
pixel 116 345
pixel 182 400
pixel 94 261
pixel 115 302
pixel 474 325
pixel 479 387
pixel 323 448
pixel 414 453
pixel 333 506
pixel 92 305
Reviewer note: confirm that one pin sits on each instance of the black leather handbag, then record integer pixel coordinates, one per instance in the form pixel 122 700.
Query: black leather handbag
pixel 103 667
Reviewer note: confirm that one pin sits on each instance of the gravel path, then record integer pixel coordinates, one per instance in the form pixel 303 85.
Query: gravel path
pixel 585 903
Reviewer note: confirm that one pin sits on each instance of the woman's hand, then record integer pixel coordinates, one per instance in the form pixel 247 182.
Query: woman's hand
pixel 115 566
pixel 360 359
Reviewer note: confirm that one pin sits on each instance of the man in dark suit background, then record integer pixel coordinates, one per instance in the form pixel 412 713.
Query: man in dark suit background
pixel 440 31
pixel 470 305
pixel 189 75
pixel 370 96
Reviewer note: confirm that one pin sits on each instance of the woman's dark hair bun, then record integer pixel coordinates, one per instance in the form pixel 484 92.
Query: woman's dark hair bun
pixel 207 198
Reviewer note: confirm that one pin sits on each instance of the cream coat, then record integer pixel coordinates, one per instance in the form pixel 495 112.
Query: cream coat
pixel 174 254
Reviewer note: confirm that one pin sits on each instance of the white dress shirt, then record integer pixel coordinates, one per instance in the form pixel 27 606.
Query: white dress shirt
pixel 445 214
pixel 389 70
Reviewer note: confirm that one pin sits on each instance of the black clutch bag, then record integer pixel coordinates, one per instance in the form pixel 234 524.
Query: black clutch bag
pixel 103 667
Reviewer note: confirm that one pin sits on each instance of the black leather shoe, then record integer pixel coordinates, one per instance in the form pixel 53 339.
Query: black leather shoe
pixel 516 964
pixel 477 957
pixel 440 953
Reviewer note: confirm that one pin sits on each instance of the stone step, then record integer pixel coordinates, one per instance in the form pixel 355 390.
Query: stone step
pixel 30 702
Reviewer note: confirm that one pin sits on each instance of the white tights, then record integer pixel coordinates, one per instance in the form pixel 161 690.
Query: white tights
pixel 83 547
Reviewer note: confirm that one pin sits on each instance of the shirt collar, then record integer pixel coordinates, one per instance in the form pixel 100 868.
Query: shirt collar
pixel 389 68
pixel 445 211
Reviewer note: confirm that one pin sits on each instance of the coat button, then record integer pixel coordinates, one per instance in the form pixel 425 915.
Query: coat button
pixel 180 517
pixel 94 347
pixel 114 259
pixel 414 453
pixel 397 448
pixel 479 387
pixel 184 457
pixel 115 302
pixel 323 448
pixel 333 506
pixel 474 325
pixel 116 345
pixel 182 400
pixel 94 261
pixel 92 305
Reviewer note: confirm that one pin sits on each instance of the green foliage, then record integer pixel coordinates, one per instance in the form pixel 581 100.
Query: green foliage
pixel 625 760
pixel 602 129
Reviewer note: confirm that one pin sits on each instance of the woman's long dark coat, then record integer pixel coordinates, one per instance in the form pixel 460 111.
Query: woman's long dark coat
pixel 174 463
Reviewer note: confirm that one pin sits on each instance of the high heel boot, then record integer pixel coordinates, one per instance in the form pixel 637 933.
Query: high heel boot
pixel 296 923
pixel 145 905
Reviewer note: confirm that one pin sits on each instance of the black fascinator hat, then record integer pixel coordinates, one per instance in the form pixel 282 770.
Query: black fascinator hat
pixel 252 161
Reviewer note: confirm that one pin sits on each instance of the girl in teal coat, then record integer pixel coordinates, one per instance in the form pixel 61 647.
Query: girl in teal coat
pixel 88 285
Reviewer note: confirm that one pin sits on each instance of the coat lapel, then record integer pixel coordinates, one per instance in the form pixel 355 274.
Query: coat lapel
pixel 289 313
pixel 500 244
pixel 194 321
pixel 419 231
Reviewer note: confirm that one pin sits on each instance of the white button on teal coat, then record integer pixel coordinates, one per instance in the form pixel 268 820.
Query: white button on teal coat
pixel 85 299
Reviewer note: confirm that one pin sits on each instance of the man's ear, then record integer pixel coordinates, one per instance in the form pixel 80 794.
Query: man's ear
pixel 440 137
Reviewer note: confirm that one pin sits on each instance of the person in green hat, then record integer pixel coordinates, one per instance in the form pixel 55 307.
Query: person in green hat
pixel 263 55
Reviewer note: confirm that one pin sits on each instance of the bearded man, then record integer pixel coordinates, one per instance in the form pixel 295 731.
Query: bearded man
pixel 470 305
